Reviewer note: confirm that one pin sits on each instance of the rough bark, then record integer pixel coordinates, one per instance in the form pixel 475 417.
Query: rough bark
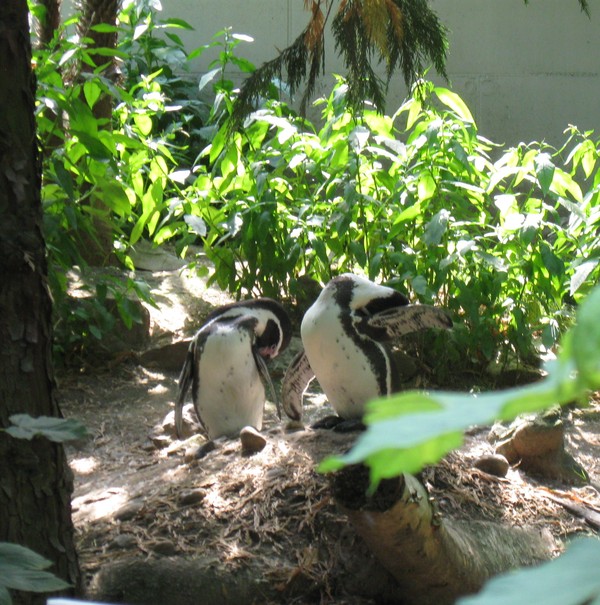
pixel 35 481
pixel 434 560
pixel 46 27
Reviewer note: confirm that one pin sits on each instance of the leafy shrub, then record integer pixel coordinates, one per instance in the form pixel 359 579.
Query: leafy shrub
pixel 414 199
pixel 124 176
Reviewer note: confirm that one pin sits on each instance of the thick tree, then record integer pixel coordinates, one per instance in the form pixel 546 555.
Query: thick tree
pixel 35 480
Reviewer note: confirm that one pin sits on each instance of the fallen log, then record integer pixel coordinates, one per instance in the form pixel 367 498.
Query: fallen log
pixel 434 560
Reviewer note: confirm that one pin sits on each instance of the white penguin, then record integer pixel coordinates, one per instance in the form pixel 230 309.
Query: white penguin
pixel 346 335
pixel 225 365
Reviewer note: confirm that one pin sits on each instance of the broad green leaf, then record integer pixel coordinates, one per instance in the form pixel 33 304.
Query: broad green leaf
pixel 30 580
pixel 174 22
pixel 570 579
pixel 426 187
pixel 582 272
pixel 586 334
pixel 454 102
pixel 196 224
pixel 93 145
pixel 92 92
pixel 116 198
pixel 59 430
pixel 143 123
pixel 414 112
pixel 19 556
pixel 544 170
pixel 207 78
pixel 4 596
pixel 409 213
pixel 436 227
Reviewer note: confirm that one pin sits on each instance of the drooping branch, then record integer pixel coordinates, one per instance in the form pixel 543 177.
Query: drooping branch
pixel 400 33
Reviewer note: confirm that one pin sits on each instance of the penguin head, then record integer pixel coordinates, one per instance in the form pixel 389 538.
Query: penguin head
pixel 358 295
pixel 272 326
pixel 277 331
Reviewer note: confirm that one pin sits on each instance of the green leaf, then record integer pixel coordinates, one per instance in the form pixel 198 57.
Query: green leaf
pixel 544 170
pixel 19 556
pixel 173 22
pixel 582 272
pixel 92 92
pixel 21 569
pixel 426 187
pixel 454 102
pixel 435 228
pixel 59 430
pixel 586 334
pixel 571 579
pixel 143 123
pixel 4 596
pixel 116 198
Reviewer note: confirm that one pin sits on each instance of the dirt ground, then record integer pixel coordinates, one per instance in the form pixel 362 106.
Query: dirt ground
pixel 155 525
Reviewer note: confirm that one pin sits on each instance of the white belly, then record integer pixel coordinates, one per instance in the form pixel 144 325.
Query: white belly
pixel 231 394
pixel 342 369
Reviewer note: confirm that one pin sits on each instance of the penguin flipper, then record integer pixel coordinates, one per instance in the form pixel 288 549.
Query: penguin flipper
pixel 185 380
pixel 263 371
pixel 398 321
pixel 296 380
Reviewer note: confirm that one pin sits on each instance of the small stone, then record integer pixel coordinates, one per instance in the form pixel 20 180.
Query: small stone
pixel 252 440
pixel 493 464
pixel 122 541
pixel 129 510
pixel 163 547
pixel 192 496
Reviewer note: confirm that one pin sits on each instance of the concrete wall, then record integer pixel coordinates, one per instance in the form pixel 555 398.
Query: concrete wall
pixel 526 72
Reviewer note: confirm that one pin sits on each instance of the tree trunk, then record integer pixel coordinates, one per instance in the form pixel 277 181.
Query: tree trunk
pixel 434 560
pixel 35 480
pixel 98 250
pixel 49 23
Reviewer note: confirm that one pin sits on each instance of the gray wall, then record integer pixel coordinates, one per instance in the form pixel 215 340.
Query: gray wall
pixel 526 72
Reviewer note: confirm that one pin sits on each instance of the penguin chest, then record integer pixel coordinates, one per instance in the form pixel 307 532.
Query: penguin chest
pixel 230 394
pixel 350 369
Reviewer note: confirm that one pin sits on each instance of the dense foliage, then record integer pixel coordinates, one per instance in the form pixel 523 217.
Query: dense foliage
pixel 505 239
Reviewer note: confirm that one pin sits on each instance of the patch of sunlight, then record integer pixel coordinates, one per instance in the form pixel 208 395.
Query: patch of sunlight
pixel 99 505
pixel 85 465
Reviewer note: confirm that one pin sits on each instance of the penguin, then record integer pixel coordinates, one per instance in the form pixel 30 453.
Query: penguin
pixel 346 336
pixel 226 366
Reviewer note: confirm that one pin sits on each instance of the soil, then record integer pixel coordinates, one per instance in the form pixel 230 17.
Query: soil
pixel 156 525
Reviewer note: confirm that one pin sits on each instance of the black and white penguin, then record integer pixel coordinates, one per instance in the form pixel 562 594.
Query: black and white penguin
pixel 346 335
pixel 225 365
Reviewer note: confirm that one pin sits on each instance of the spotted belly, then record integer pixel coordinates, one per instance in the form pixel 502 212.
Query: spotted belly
pixel 231 394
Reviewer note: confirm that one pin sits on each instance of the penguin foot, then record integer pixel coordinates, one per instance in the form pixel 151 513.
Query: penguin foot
pixel 349 426
pixel 328 423
pixel 339 424
pixel 204 449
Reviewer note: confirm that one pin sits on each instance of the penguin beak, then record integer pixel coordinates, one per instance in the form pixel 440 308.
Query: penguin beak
pixel 268 352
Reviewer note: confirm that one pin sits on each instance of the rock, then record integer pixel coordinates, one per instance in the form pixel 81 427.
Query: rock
pixel 149 258
pixel 169 357
pixel 162 434
pixel 493 464
pixel 252 440
pixel 122 541
pixel 192 496
pixel 129 510
pixel 163 547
